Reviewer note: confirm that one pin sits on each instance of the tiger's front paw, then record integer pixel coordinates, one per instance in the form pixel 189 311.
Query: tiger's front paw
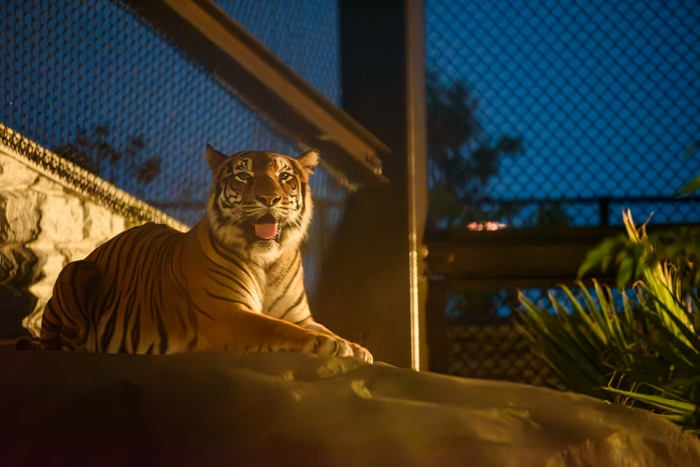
pixel 361 352
pixel 338 347
pixel 304 340
pixel 331 346
pixel 294 339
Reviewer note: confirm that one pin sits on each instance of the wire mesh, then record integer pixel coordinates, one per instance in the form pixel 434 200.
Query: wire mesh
pixel 496 351
pixel 101 87
pixel 483 338
pixel 303 33
pixel 548 112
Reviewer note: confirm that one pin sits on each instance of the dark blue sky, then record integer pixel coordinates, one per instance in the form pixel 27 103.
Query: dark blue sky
pixel 73 65
pixel 606 94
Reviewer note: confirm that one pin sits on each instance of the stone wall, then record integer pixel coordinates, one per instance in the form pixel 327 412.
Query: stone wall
pixel 46 221
pixel 43 227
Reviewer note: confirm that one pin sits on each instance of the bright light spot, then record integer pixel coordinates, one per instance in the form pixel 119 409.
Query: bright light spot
pixel 488 225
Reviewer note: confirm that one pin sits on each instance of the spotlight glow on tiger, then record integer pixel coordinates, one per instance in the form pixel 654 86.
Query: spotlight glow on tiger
pixel 233 282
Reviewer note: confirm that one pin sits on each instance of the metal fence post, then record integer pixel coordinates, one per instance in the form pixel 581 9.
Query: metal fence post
pixel 365 291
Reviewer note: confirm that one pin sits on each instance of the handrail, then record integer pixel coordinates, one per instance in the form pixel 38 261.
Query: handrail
pixel 266 84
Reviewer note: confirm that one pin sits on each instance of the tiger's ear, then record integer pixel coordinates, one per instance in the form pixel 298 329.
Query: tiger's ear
pixel 309 160
pixel 214 157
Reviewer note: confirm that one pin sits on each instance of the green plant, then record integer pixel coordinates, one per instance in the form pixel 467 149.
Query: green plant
pixel 641 349
pixel 637 254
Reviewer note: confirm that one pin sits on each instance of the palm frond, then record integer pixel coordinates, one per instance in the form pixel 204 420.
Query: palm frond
pixel 644 350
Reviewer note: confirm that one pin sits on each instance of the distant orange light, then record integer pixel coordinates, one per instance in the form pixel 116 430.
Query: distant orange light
pixel 488 225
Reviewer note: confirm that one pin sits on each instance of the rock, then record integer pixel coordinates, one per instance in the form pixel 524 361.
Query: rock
pixel 220 408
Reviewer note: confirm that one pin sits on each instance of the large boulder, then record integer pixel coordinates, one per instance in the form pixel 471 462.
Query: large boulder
pixel 221 408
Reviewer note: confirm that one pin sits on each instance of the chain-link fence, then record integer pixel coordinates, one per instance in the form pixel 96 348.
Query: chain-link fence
pixel 100 86
pixel 303 33
pixel 496 350
pixel 483 340
pixel 562 113
pixel 479 335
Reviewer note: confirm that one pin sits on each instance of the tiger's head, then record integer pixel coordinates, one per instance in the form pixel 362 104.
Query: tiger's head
pixel 260 202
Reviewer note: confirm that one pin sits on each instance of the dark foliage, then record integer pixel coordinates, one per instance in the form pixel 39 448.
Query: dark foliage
pixel 462 156
pixel 643 348
pixel 97 154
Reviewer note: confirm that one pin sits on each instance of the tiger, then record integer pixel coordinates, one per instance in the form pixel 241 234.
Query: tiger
pixel 234 282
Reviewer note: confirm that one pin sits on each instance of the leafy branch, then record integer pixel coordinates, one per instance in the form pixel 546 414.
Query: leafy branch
pixel 96 154
pixel 642 349
pixel 462 156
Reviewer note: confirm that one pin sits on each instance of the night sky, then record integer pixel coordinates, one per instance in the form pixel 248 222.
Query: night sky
pixel 606 95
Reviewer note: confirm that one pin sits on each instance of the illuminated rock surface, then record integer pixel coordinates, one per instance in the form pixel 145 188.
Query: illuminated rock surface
pixel 43 226
pixel 289 409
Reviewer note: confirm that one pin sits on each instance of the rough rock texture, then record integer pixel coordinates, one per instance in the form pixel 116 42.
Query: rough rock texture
pixel 43 226
pixel 293 409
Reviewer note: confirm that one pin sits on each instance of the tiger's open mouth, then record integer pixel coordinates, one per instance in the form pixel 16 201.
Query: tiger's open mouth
pixel 265 228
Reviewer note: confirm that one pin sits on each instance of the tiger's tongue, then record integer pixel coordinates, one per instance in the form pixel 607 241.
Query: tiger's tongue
pixel 266 231
pixel 266 227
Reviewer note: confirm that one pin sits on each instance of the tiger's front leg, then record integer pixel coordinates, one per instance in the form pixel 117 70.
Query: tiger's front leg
pixel 244 330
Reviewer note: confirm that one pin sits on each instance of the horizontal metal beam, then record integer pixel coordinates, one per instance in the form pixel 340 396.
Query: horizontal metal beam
pixel 517 258
pixel 266 84
pixel 511 258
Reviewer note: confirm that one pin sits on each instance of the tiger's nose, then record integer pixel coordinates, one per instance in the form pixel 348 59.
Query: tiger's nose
pixel 268 200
